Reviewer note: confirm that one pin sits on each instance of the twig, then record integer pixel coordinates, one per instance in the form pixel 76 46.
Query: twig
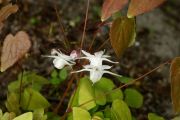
pixel 67 45
pixel 64 95
pixel 84 30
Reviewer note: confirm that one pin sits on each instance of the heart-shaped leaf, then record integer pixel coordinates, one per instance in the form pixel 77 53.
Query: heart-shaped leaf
pixel 25 116
pixel 14 48
pixel 137 7
pixel 122 34
pixel 111 6
pixel 6 11
pixel 175 83
pixel 80 114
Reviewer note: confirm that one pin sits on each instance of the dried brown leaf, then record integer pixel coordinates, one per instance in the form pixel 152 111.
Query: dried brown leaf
pixel 137 7
pixel 122 34
pixel 14 48
pixel 6 11
pixel 175 83
pixel 112 6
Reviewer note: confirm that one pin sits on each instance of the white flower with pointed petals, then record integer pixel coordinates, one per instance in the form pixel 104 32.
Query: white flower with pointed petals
pixel 96 72
pixel 60 59
pixel 96 59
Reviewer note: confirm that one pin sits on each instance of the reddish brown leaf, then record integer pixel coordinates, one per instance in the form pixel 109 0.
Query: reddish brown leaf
pixel 111 6
pixel 6 11
pixel 175 83
pixel 122 34
pixel 14 48
pixel 137 7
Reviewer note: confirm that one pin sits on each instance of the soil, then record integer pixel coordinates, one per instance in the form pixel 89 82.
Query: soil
pixel 157 41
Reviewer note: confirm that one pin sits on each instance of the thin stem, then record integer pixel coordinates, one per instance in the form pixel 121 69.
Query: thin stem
pixel 64 95
pixel 103 44
pixel 66 43
pixel 20 87
pixel 84 30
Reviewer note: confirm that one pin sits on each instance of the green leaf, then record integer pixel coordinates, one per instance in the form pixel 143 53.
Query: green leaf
pixel 55 81
pixel 124 80
pixel 122 34
pixel 80 114
pixel 32 100
pixel 120 111
pixel 54 73
pixel 63 74
pixel 104 84
pixel 115 94
pixel 133 98
pixel 100 97
pixel 86 94
pixel 153 116
pixel 38 114
pixel 99 115
pixel 29 79
pixel 107 112
pixel 1 113
pixel 25 116
pixel 8 116
pixel 12 103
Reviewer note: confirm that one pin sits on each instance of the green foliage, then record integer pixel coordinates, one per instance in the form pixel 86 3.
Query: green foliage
pixel 133 98
pixel 7 116
pixel 80 114
pixel 58 77
pixel 86 94
pixel 25 116
pixel 32 100
pixel 38 114
pixel 153 116
pixel 120 111
pixel 115 94
pixel 124 79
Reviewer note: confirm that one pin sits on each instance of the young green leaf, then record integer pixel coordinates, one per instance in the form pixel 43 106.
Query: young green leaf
pixel 110 7
pixel 63 74
pixel 137 7
pixel 133 98
pixel 115 94
pixel 32 100
pixel 12 103
pixel 80 114
pixel 153 116
pixel 14 48
pixel 8 116
pixel 120 111
pixel 122 34
pixel 104 84
pixel 25 116
pixel 100 96
pixel 86 94
pixel 175 83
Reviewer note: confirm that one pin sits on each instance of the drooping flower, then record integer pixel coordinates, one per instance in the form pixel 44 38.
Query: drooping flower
pixel 96 72
pixel 96 59
pixel 96 67
pixel 60 59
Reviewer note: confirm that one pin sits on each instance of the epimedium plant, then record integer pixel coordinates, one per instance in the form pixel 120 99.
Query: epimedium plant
pixel 95 97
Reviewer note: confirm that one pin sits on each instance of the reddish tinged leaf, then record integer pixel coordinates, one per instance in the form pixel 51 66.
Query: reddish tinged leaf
pixel 110 7
pixel 175 83
pixel 14 48
pixel 122 34
pixel 137 7
pixel 6 11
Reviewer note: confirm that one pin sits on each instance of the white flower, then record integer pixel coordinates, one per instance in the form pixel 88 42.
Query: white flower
pixel 60 59
pixel 96 67
pixel 96 72
pixel 96 59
